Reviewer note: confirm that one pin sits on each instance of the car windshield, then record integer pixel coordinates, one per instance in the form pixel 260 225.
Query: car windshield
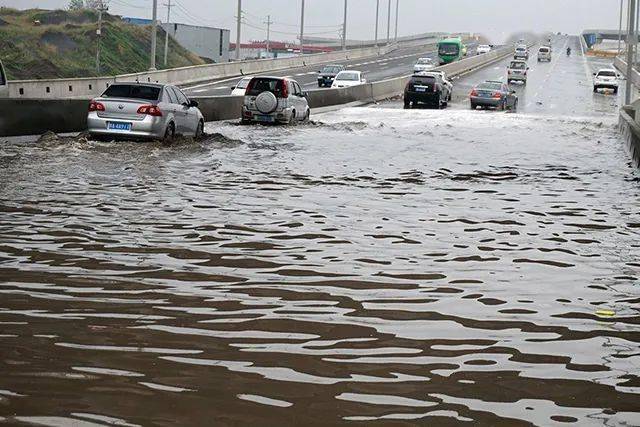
pixel 423 80
pixel 521 49
pixel 348 76
pixel 146 93
pixel 448 49
pixel 331 70
pixel 242 84
pixel 424 61
pixel 265 84
pixel 544 50
pixel 490 86
pixel 518 65
pixel 607 73
pixel 483 46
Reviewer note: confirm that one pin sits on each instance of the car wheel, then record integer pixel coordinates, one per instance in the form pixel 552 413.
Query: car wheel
pixel 595 89
pixel 473 106
pixel 615 90
pixel 169 134
pixel 307 116
pixel 407 105
pixel 292 118
pixel 200 129
pixel 515 106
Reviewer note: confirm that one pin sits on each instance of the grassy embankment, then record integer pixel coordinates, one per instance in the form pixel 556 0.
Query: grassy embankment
pixel 64 45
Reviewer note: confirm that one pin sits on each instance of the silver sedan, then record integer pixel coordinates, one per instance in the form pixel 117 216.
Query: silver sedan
pixel 144 111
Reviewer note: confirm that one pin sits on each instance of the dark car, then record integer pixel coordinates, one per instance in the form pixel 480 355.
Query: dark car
pixel 427 88
pixel 327 75
pixel 492 94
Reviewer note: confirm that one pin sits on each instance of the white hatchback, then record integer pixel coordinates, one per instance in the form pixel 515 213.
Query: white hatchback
pixel 348 78
pixel 424 64
pixel 607 78
pixel 483 48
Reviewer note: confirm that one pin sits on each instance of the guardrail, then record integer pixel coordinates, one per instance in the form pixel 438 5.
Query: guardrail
pixel 94 86
pixel 36 116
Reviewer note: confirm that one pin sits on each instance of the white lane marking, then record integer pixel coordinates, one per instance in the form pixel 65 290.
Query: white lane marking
pixel 301 74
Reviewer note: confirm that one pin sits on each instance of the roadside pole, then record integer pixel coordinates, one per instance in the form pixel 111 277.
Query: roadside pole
pixel 344 27
pixel 377 19
pixel 620 29
pixel 101 9
pixel 238 30
pixel 389 24
pixel 269 22
pixel 154 35
pixel 630 47
pixel 397 10
pixel 302 29
pixel 166 33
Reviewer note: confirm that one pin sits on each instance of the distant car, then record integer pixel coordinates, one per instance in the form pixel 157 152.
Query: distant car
pixel 493 94
pixel 544 54
pixel 424 64
pixel 522 52
pixel 241 87
pixel 426 88
pixel 483 48
pixel 274 100
pixel 144 111
pixel 517 71
pixel 328 74
pixel 606 78
pixel 4 83
pixel 348 78
pixel 442 76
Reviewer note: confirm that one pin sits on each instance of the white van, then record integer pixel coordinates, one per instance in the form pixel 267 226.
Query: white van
pixel 544 54
pixel 4 84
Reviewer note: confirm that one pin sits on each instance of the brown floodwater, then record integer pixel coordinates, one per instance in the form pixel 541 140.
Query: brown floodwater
pixel 376 267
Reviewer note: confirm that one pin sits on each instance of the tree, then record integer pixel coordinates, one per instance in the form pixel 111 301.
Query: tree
pixel 76 4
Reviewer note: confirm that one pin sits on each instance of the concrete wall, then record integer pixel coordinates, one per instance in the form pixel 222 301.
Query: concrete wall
pixel 207 42
pixel 630 130
pixel 36 116
pixel 91 87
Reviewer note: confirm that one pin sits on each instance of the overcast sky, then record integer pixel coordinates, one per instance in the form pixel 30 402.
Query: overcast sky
pixel 494 18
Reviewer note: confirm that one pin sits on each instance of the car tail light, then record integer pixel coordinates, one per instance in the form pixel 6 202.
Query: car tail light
pixel 497 95
pixel 474 92
pixel 284 88
pixel 96 106
pixel 150 110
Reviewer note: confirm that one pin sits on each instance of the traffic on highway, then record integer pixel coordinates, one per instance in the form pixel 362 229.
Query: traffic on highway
pixel 445 233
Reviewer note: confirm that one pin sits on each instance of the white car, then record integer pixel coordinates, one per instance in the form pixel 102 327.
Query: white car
pixel 424 64
pixel 483 48
pixel 240 88
pixel 4 84
pixel 349 78
pixel 607 78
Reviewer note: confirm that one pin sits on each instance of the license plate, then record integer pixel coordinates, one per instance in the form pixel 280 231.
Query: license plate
pixel 119 126
pixel 421 89
pixel 267 119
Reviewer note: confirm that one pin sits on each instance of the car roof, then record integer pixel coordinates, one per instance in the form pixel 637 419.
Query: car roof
pixel 158 85
pixel 350 71
pixel 273 78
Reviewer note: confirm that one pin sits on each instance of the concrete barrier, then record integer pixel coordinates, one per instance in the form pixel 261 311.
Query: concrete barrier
pixel 36 116
pixel 91 87
pixel 630 131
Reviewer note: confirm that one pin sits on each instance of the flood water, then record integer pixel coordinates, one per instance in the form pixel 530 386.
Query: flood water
pixel 376 267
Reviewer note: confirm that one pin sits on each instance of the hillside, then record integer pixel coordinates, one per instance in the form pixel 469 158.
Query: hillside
pixel 63 44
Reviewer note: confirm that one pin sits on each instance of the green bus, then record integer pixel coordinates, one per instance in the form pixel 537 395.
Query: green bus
pixel 451 50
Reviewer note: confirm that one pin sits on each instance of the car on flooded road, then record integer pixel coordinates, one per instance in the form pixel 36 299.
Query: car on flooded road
pixel 521 52
pixel 327 75
pixel 143 111
pixel 517 71
pixel 544 54
pixel 482 49
pixel 606 78
pixel 493 94
pixel 349 78
pixel 274 100
pixel 427 89
pixel 424 64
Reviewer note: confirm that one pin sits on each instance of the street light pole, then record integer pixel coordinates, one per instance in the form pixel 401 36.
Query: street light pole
pixel 631 36
pixel 389 23
pixel 344 27
pixel 269 22
pixel 238 30
pixel 302 29
pixel 154 35
pixel 397 10
pixel 101 8
pixel 620 29
pixel 377 19
pixel 166 33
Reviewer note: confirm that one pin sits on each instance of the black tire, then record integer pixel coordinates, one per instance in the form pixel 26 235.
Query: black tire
pixel 169 134
pixel 615 90
pixel 407 105
pixel 473 106
pixel 200 129
pixel 595 89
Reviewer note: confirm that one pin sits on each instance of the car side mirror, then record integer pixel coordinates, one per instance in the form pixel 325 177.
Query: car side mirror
pixel 193 104
pixel 594 74
pixel 233 88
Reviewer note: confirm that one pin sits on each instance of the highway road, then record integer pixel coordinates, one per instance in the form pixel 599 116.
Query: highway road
pixel 393 64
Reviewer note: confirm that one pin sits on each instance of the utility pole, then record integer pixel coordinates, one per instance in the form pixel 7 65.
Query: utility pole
pixel 268 22
pixel 344 27
pixel 238 30
pixel 377 19
pixel 620 29
pixel 302 30
pixel 166 33
pixel 101 9
pixel 154 35
pixel 397 10
pixel 631 38
pixel 389 24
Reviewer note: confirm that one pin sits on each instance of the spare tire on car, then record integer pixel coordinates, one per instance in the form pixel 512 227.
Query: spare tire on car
pixel 266 102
